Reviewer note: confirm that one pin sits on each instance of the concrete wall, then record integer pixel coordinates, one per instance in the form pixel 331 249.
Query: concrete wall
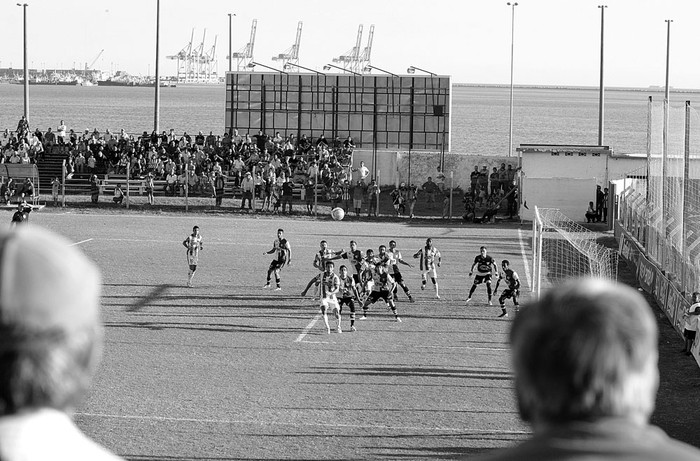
pixel 569 195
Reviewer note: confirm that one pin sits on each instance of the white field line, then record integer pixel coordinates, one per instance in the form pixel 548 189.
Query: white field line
pixel 525 263
pixel 78 243
pixel 296 423
pixel 308 328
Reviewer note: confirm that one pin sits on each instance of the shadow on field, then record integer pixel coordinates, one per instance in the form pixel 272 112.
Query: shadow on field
pixel 217 327
pixel 416 372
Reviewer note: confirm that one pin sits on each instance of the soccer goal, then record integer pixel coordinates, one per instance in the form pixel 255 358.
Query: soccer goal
pixel 563 249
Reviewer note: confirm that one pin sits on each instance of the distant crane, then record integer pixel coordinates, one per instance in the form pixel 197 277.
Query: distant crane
pixel 244 56
pixel 365 56
pixel 194 65
pixel 87 68
pixel 351 59
pixel 291 55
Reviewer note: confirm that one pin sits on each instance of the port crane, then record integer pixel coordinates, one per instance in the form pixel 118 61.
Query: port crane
pixel 351 59
pixel 194 64
pixel 87 68
pixel 244 56
pixel 291 55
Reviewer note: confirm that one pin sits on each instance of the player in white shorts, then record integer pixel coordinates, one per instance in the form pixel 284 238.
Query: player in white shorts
pixel 429 258
pixel 330 285
pixel 193 243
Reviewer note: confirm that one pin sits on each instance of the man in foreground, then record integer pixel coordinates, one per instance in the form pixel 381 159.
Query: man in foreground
pixel 50 344
pixel 585 359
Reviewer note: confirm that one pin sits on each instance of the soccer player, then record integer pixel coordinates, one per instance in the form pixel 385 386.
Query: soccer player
pixel 324 255
pixel 355 257
pixel 194 245
pixel 394 260
pixel 283 256
pixel 485 267
pixel 429 257
pixel 348 294
pixel 512 290
pixel 382 288
pixel 330 284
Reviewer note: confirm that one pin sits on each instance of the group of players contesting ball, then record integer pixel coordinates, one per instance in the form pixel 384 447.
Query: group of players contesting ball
pixel 374 276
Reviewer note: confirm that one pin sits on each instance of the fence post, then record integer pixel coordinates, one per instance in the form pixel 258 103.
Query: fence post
pixel 685 256
pixel 187 187
pixel 452 187
pixel 128 177
pixel 63 184
pixel 379 191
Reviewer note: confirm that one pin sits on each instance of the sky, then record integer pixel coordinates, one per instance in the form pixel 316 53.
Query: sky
pixel 557 42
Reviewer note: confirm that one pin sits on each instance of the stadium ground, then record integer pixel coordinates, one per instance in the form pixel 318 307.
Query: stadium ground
pixel 227 370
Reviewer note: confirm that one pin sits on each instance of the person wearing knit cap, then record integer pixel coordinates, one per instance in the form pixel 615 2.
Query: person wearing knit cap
pixel 50 346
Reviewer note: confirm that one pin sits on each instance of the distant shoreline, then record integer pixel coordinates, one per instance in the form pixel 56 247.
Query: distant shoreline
pixel 655 89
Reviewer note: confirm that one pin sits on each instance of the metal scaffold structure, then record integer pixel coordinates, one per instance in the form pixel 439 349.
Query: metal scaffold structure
pixel 357 59
pixel 244 56
pixel 195 64
pixel 291 55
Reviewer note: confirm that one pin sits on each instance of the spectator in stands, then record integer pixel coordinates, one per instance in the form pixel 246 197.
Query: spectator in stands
pixel 599 199
pixel 483 182
pixel 118 195
pixel 150 189
pixel 586 375
pixel 474 181
pixel 51 346
pixel 690 323
pixel 94 189
pixel 22 127
pixel 430 188
pixel 358 194
pixel 494 177
pixel 440 176
pixel 309 194
pixel 591 214
pixel 287 195
pixel 248 188
pixel 606 194
pixel 55 188
pixel 412 199
pixel 219 186
pixel 27 189
pixel 511 178
pixel 345 199
pixel 513 202
pixel 373 190
pixel 49 140
pixel 502 177
pixel 61 133
pixel 363 172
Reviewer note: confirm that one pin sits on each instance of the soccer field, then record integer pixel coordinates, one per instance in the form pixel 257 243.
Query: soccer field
pixel 227 370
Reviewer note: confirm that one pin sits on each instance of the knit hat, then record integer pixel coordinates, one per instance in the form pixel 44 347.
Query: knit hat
pixel 46 285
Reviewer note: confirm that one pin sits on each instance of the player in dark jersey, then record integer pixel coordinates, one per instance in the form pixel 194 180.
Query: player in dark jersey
pixel 382 288
pixel 512 290
pixel 394 260
pixel 347 294
pixel 485 268
pixel 355 258
pixel 324 255
pixel 283 256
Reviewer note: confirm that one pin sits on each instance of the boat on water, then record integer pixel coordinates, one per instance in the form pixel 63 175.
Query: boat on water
pixel 133 83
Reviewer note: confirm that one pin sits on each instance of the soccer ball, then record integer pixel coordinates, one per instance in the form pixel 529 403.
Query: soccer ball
pixel 338 214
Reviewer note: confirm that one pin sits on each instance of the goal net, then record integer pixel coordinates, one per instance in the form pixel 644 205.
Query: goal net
pixel 563 249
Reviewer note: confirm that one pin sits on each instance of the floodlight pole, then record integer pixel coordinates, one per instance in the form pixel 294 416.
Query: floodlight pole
pixel 512 52
pixel 601 102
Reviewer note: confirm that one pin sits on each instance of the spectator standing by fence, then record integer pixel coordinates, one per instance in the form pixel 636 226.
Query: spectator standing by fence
pixel 431 189
pixel 94 189
pixel 373 191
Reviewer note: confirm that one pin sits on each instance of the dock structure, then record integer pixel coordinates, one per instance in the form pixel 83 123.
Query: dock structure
pixel 195 64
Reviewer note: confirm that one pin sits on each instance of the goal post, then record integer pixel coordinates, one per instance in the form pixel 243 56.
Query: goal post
pixel 563 249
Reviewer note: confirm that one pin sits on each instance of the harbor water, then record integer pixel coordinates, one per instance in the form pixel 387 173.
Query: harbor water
pixel 480 114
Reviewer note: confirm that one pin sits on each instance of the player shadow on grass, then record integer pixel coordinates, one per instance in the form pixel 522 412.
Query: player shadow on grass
pixel 216 327
pixel 416 372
